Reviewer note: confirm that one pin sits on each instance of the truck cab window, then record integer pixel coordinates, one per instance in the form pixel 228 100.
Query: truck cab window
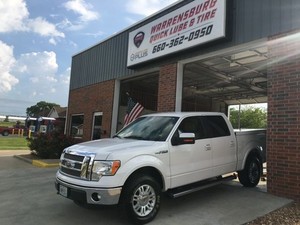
pixel 192 125
pixel 216 126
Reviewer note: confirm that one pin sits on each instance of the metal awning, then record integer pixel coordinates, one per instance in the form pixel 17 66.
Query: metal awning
pixel 239 77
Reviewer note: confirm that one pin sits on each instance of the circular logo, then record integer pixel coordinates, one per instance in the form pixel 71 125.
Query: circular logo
pixel 138 39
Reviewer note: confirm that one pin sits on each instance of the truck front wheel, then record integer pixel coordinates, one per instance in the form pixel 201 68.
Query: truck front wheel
pixel 250 175
pixel 141 199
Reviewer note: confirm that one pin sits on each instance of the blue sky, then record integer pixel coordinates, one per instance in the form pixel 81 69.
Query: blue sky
pixel 39 37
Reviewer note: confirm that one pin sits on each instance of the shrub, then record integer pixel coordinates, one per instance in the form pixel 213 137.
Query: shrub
pixel 50 145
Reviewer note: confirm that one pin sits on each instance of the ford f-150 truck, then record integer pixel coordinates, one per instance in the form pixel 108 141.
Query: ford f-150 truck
pixel 176 153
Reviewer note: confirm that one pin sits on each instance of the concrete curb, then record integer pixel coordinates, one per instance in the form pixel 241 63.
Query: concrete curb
pixel 39 163
pixel 42 164
pixel 23 159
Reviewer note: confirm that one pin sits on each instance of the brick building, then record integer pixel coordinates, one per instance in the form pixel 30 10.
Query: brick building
pixel 200 55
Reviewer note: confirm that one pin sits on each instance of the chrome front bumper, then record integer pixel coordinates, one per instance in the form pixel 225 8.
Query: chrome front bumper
pixel 89 195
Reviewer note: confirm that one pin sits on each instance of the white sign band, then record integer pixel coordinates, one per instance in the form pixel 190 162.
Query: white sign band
pixel 193 24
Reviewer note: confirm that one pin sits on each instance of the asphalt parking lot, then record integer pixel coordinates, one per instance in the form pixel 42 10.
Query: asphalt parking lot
pixel 28 196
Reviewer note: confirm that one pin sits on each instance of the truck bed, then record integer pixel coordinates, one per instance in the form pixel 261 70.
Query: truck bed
pixel 246 136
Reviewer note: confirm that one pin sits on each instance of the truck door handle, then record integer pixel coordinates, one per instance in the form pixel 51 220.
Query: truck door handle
pixel 207 147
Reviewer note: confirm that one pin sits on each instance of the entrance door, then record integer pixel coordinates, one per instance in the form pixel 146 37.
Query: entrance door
pixel 97 125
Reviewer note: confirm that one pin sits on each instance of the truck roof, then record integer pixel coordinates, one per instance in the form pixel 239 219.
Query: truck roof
pixel 183 114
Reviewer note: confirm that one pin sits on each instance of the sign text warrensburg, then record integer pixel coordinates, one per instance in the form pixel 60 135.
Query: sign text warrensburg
pixel 195 23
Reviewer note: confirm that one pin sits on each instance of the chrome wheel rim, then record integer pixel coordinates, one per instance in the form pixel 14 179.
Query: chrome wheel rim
pixel 143 200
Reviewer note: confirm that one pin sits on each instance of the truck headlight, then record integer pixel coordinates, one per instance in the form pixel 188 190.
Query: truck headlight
pixel 104 168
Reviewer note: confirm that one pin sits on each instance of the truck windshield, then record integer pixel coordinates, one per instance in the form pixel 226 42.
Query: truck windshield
pixel 150 128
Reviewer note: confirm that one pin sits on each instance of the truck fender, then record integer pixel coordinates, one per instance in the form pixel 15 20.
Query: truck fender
pixel 146 164
pixel 253 152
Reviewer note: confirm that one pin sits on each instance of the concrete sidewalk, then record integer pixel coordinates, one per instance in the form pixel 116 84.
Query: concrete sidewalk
pixel 20 154
pixel 13 152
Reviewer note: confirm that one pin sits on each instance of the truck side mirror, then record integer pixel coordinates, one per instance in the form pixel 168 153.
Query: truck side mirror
pixel 183 138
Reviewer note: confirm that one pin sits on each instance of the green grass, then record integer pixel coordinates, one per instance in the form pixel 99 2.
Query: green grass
pixel 13 143
pixel 7 124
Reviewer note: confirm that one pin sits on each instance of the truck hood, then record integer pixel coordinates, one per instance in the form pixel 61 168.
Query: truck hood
pixel 104 147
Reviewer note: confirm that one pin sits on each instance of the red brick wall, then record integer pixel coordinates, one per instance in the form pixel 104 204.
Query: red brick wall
pixel 167 88
pixel 283 139
pixel 90 99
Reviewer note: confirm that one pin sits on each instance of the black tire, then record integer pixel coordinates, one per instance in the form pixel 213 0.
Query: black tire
pixel 141 199
pixel 5 133
pixel 250 175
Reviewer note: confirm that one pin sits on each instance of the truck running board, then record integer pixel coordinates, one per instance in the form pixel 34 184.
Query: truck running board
pixel 187 189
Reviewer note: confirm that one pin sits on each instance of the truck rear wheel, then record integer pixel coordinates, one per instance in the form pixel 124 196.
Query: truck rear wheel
pixel 5 133
pixel 250 175
pixel 141 199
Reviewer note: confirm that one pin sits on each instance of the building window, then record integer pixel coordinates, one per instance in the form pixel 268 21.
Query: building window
pixel 77 125
pixel 97 126
pixel 143 89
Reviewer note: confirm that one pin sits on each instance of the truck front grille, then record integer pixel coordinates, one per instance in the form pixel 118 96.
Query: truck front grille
pixel 74 157
pixel 76 165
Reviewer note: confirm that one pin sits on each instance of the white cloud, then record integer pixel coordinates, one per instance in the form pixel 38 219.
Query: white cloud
pixel 39 67
pixel 72 43
pixel 52 41
pixel 67 24
pixel 83 9
pixel 44 28
pixel 12 15
pixel 7 61
pixel 65 77
pixel 39 79
pixel 35 78
pixel 51 79
pixel 96 34
pixel 147 7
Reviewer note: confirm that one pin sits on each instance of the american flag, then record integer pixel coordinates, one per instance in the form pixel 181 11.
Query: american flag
pixel 134 109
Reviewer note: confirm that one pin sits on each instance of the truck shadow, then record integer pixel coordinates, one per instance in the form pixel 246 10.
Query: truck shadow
pixel 215 205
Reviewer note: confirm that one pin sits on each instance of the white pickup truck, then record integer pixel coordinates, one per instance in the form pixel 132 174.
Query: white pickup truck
pixel 176 153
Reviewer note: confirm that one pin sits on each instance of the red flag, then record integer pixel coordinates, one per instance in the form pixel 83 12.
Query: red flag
pixel 134 109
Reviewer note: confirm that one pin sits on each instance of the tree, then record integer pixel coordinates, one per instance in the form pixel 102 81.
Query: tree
pixel 40 109
pixel 250 117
